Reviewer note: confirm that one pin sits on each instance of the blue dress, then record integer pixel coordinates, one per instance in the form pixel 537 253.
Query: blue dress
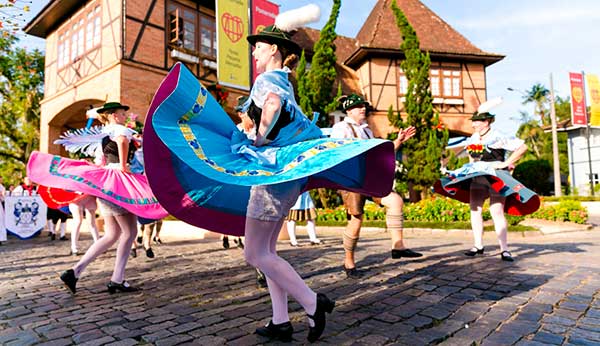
pixel 201 166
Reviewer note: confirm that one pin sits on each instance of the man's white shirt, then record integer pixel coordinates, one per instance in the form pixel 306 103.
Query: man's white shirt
pixel 343 129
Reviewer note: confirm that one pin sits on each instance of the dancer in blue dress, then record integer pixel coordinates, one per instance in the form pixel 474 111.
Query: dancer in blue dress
pixel 220 180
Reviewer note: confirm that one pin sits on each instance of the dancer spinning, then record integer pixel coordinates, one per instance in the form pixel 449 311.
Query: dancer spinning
pixel 487 175
pixel 121 192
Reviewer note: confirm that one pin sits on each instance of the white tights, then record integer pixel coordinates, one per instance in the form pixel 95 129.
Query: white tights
pixel 119 227
pixel 77 212
pixel 260 252
pixel 478 195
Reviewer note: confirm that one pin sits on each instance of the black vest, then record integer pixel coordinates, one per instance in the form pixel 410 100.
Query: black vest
pixel 493 155
pixel 285 118
pixel 111 150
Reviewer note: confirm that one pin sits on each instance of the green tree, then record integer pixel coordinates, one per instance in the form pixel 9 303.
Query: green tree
pixel 539 96
pixel 427 146
pixel 316 85
pixel 21 90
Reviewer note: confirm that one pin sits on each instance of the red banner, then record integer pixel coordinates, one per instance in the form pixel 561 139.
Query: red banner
pixel 578 107
pixel 263 14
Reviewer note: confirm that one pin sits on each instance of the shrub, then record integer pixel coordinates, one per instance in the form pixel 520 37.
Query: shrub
pixel 535 174
pixel 565 210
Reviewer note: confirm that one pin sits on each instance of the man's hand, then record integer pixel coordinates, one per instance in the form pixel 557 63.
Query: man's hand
pixel 404 135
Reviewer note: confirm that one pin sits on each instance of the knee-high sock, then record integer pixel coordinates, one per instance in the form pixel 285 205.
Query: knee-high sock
pixel 51 227
pixel 291 229
pixel 259 239
pixel 111 234
pixel 394 220
pixel 311 230
pixel 500 224
pixel 127 224
pixel 63 228
pixel 350 241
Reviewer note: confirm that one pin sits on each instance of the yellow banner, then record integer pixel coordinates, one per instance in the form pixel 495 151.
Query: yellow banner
pixel 593 86
pixel 233 51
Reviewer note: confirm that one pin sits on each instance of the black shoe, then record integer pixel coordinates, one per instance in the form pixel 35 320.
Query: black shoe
pixel 474 251
pixel 282 331
pixel 324 305
pixel 149 253
pixel 352 273
pixel 294 244
pixel 225 243
pixel 133 253
pixel 52 236
pixel 316 242
pixel 239 243
pixel 139 240
pixel 122 287
pixel 74 253
pixel 69 279
pixel 505 255
pixel 261 280
pixel 408 253
pixel 157 240
pixel 63 238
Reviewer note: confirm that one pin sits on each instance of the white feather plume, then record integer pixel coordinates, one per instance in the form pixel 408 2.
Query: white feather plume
pixel 293 19
pixel 86 141
pixel 489 104
pixel 92 113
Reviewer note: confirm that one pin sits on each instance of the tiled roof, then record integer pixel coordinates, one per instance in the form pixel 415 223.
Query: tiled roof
pixel 435 35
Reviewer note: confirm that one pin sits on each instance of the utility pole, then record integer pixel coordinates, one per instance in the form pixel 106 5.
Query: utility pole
pixel 587 135
pixel 557 187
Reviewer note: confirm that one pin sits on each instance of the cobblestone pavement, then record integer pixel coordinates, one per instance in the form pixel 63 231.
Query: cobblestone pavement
pixel 195 292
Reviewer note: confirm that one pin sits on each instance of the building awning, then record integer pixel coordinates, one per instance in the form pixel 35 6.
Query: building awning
pixel 51 16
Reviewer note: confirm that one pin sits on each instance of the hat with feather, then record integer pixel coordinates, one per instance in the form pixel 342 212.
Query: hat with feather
pixel 285 23
pixel 483 111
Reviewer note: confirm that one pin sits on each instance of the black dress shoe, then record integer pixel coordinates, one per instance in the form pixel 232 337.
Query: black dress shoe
pixel 261 280
pixel 157 240
pixel 122 287
pixel 239 243
pixel 324 305
pixel 408 253
pixel 69 279
pixel 149 253
pixel 139 240
pixel 282 331
pixel 52 236
pixel 506 256
pixel 352 273
pixel 63 238
pixel 75 253
pixel 133 253
pixel 474 251
pixel 225 243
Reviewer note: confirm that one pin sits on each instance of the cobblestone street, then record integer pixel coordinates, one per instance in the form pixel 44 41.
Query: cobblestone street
pixel 195 292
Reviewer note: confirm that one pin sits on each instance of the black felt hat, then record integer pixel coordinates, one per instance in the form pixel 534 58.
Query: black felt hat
pixel 482 116
pixel 111 106
pixel 273 35
pixel 353 100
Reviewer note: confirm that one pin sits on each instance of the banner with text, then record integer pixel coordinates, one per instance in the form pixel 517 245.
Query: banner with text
pixel 263 14
pixel 578 111
pixel 24 215
pixel 232 53
pixel 593 87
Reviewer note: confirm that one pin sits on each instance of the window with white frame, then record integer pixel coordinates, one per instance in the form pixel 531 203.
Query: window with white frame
pixel 80 37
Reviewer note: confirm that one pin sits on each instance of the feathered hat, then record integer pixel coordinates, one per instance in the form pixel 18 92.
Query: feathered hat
pixel 483 111
pixel 285 23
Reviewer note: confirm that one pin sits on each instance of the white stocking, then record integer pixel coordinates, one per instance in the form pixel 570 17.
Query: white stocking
pixel 111 234
pixel 291 228
pixel 281 277
pixel 500 224
pixel 477 197
pixel 127 224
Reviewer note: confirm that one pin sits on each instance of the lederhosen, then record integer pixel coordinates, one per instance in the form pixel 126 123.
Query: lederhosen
pixel 354 202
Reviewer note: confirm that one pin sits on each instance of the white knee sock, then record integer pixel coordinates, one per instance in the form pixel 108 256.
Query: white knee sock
pixel 63 228
pixel 311 230
pixel 291 228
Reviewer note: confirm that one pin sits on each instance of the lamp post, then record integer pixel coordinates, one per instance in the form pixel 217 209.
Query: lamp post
pixel 555 157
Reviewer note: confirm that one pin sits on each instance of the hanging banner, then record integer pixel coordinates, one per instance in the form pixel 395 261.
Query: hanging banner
pixel 593 87
pixel 578 108
pixel 24 215
pixel 263 14
pixel 232 53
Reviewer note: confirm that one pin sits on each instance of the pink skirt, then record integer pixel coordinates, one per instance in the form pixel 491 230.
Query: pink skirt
pixel 128 190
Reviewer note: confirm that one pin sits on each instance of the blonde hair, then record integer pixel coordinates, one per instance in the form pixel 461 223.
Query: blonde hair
pixel 103 118
pixel 290 61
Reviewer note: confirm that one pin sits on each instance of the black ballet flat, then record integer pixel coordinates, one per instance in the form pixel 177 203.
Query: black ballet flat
pixel 474 251
pixel 69 279
pixel 282 331
pixel 506 256
pixel 63 238
pixel 408 253
pixel 324 305
pixel 225 243
pixel 149 253
pixel 122 287
pixel 352 273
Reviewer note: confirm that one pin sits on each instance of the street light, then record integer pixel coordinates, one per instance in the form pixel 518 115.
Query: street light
pixel 556 165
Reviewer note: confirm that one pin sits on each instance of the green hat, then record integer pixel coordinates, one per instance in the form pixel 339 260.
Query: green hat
pixel 482 116
pixel 111 106
pixel 352 100
pixel 273 35
pixel 240 103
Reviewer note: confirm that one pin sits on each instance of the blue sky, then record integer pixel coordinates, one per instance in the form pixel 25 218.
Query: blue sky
pixel 538 37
